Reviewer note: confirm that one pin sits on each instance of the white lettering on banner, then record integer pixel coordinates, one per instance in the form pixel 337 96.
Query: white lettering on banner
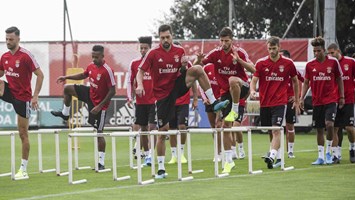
pixel 45 106
pixel 5 120
pixel 5 107
pixel 120 83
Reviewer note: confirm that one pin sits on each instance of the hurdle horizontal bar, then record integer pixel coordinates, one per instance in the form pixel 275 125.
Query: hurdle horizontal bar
pixel 271 128
pixel 7 133
pixel 200 130
pixel 119 128
pixel 124 134
pixel 239 128
pixel 88 134
pixel 44 131
pixel 172 132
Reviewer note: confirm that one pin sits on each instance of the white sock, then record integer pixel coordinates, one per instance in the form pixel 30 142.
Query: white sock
pixel 161 165
pixel 228 156
pixel 273 153
pixel 234 150
pixel 210 95
pixel 339 151
pixel 240 145
pixel 329 145
pixel 182 149
pixel 352 146
pixel 290 147
pixel 146 154
pixel 334 151
pixel 278 154
pixel 321 152
pixel 66 110
pixel 23 166
pixel 235 107
pixel 102 157
pixel 173 152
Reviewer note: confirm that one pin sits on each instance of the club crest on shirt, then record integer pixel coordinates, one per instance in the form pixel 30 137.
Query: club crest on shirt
pixel 346 67
pixel 98 77
pixel 17 63
pixel 281 68
pixel 176 58
pixel 329 70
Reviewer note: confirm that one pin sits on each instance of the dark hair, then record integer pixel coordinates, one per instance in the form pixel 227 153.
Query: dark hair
pixel 145 40
pixel 318 41
pixel 177 43
pixel 273 40
pixel 98 48
pixel 285 53
pixel 165 27
pixel 333 46
pixel 13 29
pixel 350 50
pixel 226 31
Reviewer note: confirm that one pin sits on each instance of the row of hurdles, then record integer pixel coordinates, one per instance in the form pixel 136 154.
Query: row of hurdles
pixel 76 133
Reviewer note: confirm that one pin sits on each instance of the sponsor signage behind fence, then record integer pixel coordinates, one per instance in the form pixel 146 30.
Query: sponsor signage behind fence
pixel 118 114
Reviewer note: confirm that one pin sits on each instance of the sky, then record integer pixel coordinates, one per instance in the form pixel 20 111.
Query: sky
pixel 91 20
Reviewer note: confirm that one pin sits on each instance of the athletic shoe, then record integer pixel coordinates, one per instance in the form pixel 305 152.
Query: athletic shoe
pixel 183 159
pixel 219 105
pixel 328 159
pixel 231 117
pixel 228 167
pixel 291 155
pixel 173 160
pixel 241 154
pixel 60 114
pixel 161 174
pixel 335 160
pixel 352 156
pixel 277 163
pixel 21 174
pixel 319 161
pixel 234 156
pixel 101 167
pixel 147 161
pixel 269 161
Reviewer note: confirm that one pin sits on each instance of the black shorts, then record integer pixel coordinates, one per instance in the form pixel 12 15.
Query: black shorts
pixel 180 116
pixel 208 108
pixel 345 116
pixel 22 108
pixel 323 113
pixel 98 120
pixel 165 106
pixel 291 117
pixel 272 116
pixel 145 113
pixel 226 110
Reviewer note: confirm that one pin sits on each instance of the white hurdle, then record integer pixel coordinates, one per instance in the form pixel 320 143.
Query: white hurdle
pixel 282 147
pixel 139 160
pixel 89 129
pixel 113 135
pixel 178 138
pixel 12 146
pixel 39 133
pixel 70 152
pixel 215 150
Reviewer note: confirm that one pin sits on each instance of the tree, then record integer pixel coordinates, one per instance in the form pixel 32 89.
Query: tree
pixel 255 19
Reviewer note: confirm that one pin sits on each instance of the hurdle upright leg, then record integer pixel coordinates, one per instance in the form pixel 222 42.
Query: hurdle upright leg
pixel 189 156
pixel 282 149
pixel 114 162
pixel 139 163
pixel 250 155
pixel 70 164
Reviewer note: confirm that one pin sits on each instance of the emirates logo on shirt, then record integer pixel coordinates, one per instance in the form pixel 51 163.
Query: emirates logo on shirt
pixel 281 68
pixel 17 63
pixel 98 77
